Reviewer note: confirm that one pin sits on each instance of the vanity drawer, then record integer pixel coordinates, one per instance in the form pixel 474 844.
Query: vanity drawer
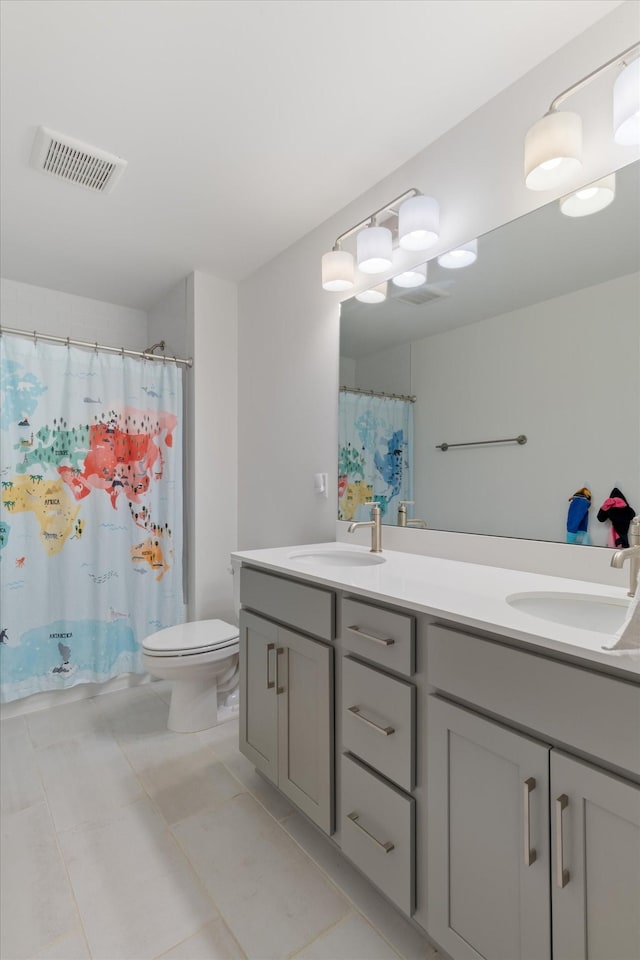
pixel 378 832
pixel 378 721
pixel 383 636
pixel 310 609
pixel 592 712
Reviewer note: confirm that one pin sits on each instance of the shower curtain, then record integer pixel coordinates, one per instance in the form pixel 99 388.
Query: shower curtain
pixel 90 515
pixel 375 455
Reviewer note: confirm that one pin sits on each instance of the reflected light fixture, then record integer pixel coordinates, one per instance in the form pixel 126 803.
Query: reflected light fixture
pixel 375 249
pixel 626 105
pixel 418 223
pixel 462 256
pixel 374 294
pixel 337 269
pixel 553 145
pixel 590 199
pixel 418 216
pixel 412 278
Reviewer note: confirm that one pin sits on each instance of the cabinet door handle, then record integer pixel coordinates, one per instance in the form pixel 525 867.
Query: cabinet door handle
pixel 279 653
pixel 385 731
pixel 562 875
pixel 385 641
pixel 270 683
pixel 528 787
pixel 387 846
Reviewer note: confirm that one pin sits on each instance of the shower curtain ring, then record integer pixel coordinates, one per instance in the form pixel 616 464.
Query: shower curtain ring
pixel 35 337
pixel 122 352
pixel 96 348
pixel 67 343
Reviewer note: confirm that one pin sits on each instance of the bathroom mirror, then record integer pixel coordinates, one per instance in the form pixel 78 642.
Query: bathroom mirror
pixel 539 338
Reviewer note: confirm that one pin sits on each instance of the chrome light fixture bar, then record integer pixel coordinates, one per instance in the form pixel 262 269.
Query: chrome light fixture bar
pixel 418 229
pixel 553 145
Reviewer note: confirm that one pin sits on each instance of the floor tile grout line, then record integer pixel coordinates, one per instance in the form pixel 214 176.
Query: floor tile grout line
pixel 185 939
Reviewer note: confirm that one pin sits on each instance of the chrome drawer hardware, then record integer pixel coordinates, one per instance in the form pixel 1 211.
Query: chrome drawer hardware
pixel 387 847
pixel 562 875
pixel 384 641
pixel 530 854
pixel 279 653
pixel 270 683
pixel 385 731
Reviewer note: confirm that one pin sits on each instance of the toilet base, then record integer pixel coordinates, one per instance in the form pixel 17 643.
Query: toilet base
pixel 198 703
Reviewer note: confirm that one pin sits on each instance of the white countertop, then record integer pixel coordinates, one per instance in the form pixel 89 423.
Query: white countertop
pixel 466 593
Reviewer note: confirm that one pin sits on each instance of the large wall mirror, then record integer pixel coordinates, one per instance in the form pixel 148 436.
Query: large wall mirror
pixel 538 338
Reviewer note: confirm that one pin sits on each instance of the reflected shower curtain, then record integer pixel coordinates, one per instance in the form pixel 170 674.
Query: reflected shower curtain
pixel 375 455
pixel 91 513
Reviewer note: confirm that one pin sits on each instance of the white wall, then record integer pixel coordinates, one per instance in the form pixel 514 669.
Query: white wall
pixel 212 499
pixel 565 373
pixel 289 327
pixel 58 314
pixel 388 371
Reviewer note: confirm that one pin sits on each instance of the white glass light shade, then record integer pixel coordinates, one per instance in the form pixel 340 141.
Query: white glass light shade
pixel 462 256
pixel 626 105
pixel 596 196
pixel 374 294
pixel 553 151
pixel 337 270
pixel 412 278
pixel 375 249
pixel 418 223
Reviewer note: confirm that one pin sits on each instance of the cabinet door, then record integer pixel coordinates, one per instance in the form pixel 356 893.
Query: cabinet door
pixel 258 704
pixel 305 725
pixel 487 838
pixel 596 863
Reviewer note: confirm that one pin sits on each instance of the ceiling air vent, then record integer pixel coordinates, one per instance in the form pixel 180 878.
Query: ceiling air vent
pixel 419 295
pixel 77 162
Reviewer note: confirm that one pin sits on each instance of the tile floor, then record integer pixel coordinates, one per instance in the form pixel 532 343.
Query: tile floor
pixel 123 840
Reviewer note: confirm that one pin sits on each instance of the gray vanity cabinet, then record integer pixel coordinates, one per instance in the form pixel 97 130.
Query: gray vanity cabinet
pixel 596 868
pixel 488 838
pixel 286 691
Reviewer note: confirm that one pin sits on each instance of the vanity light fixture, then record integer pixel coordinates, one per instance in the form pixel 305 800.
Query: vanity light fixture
pixel 337 269
pixel 418 223
pixel 374 294
pixel 553 145
pixel 418 227
pixel 462 256
pixel 375 249
pixel 590 199
pixel 412 278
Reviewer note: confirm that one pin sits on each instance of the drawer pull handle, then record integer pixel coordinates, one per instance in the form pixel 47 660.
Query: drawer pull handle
pixel 270 683
pixel 279 653
pixel 562 875
pixel 530 854
pixel 385 731
pixel 384 641
pixel 387 847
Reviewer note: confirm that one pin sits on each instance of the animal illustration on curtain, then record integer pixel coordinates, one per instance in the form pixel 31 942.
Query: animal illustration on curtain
pixel 91 513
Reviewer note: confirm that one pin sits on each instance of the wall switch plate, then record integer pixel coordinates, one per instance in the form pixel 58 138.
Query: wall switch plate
pixel 321 484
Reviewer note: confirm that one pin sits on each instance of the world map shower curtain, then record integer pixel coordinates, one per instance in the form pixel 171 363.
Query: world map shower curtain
pixel 91 513
pixel 375 454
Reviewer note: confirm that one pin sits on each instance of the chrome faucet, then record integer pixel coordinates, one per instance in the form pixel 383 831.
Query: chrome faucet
pixel 375 523
pixel 403 521
pixel 632 554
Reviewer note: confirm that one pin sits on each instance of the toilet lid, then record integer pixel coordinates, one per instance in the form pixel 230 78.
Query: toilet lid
pixel 195 637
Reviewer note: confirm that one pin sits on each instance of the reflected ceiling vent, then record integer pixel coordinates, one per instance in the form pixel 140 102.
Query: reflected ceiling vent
pixel 77 162
pixel 420 295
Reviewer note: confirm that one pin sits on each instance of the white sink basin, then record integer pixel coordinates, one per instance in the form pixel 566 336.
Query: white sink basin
pixel 338 558
pixel 581 610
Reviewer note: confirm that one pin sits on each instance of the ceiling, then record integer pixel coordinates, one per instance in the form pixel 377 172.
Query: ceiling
pixel 245 124
pixel 542 255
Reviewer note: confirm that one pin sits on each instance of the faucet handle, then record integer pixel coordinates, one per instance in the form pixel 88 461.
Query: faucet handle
pixel 374 504
pixel 634 532
pixel 406 502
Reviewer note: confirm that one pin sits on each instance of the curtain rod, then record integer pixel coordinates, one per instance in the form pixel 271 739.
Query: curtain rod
pixel 379 393
pixel 69 342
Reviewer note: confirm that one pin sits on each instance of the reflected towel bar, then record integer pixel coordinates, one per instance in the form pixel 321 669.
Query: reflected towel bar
pixel 478 443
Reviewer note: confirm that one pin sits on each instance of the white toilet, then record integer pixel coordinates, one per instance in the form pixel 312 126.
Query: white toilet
pixel 201 660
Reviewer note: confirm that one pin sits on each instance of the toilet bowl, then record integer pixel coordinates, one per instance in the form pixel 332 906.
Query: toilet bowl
pixel 201 660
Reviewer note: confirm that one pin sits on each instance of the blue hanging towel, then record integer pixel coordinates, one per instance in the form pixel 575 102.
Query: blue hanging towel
pixel 578 517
